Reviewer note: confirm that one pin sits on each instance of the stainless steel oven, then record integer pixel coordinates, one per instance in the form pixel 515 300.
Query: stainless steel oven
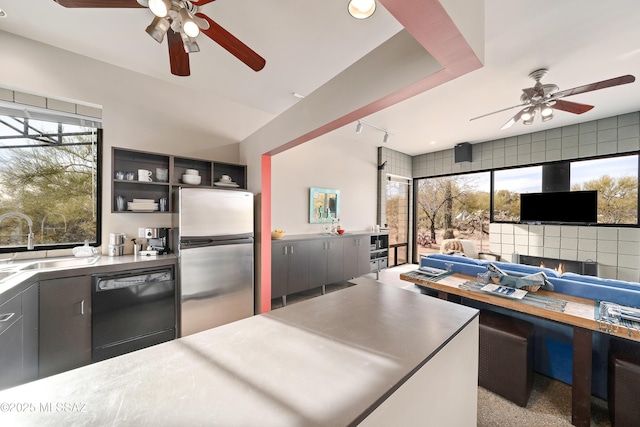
pixel 132 310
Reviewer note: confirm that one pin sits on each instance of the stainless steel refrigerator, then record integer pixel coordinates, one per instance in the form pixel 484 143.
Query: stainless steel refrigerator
pixel 213 231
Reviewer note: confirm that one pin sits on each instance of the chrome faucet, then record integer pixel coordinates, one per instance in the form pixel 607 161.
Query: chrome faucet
pixel 30 245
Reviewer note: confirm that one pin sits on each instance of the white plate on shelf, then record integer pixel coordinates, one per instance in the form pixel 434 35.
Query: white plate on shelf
pixel 226 184
pixel 142 207
pixel 143 201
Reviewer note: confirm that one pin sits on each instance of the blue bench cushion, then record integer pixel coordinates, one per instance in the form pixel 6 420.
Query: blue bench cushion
pixel 457 258
pixel 600 281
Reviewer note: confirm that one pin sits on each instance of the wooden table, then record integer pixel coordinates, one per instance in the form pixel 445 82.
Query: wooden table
pixel 578 313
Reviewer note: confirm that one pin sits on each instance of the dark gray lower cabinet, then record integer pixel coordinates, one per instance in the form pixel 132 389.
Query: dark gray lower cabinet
pixel 11 342
pixel 19 338
pixel 326 264
pixel 65 324
pixel 289 268
pixel 356 257
pixel 30 332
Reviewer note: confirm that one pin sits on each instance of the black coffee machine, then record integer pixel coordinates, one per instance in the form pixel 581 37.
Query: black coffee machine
pixel 157 239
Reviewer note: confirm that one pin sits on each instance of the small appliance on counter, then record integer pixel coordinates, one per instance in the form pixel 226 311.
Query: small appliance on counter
pixel 157 240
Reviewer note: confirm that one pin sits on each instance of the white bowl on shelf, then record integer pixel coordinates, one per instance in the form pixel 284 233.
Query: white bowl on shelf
pixel 191 179
pixel 192 172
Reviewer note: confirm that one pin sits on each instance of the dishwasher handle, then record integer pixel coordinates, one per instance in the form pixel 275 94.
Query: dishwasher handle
pixel 121 281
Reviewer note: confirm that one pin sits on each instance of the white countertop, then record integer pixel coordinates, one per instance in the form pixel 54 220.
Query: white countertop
pixel 13 284
pixel 326 361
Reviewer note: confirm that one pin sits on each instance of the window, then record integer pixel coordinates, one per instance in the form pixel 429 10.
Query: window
pixel 455 206
pixel 508 184
pixel 614 178
pixel 397 216
pixel 49 175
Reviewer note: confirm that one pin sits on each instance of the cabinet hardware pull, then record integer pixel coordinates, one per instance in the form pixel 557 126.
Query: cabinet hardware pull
pixel 79 308
pixel 6 317
pixel 291 249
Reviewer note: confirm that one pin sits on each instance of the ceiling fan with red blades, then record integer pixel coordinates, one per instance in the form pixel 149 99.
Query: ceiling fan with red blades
pixel 181 21
pixel 544 98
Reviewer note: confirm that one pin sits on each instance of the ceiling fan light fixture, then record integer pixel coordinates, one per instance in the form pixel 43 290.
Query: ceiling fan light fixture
pixel 189 26
pixel 158 28
pixel 546 111
pixel 190 45
pixel 547 117
pixel 160 8
pixel 361 9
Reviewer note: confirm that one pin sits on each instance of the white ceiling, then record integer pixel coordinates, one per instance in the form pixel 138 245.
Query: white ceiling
pixel 306 43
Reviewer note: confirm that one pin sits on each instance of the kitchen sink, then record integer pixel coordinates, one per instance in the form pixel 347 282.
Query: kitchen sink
pixel 60 263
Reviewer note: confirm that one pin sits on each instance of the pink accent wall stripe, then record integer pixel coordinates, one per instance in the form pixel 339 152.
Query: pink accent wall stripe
pixel 265 236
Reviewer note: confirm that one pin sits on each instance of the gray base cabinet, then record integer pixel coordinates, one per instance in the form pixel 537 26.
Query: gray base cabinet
pixel 300 263
pixel 326 264
pixel 65 324
pixel 356 257
pixel 11 342
pixel 19 338
pixel 289 268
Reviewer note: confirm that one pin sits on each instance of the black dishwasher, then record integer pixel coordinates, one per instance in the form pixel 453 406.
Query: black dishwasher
pixel 132 310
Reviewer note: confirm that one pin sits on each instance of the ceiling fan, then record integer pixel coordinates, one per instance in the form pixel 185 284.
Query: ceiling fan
pixel 184 19
pixel 544 98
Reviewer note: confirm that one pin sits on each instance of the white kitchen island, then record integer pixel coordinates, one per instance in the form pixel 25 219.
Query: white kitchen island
pixel 371 354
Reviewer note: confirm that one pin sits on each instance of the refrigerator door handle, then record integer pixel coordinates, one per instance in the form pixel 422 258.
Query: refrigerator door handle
pixel 201 243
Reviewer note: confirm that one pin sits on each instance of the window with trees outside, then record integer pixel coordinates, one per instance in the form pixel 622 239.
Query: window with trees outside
pixel 455 206
pixel 49 175
pixel 614 178
pixel 397 214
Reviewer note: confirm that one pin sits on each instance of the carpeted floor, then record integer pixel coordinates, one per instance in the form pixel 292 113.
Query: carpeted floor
pixel 550 401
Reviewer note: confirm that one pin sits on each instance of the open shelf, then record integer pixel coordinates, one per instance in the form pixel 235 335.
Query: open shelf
pixel 131 161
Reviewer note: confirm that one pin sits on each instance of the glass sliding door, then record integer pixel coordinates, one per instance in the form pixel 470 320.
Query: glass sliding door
pixel 397 215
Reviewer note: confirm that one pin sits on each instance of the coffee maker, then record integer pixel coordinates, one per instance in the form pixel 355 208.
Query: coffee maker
pixel 157 239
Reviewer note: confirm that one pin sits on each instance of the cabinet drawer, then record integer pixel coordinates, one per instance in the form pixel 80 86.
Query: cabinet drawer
pixel 383 263
pixel 374 264
pixel 10 311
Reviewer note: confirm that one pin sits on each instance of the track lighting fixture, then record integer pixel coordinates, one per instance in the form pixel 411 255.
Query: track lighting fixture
pixel 385 138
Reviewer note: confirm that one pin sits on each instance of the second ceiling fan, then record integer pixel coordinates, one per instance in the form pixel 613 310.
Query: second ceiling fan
pixel 544 98
pixel 181 21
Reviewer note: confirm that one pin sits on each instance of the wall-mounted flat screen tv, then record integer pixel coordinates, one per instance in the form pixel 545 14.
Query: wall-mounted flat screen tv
pixel 559 207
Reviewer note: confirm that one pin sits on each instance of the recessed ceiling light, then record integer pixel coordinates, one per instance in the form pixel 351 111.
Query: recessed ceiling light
pixel 3 14
pixel 297 95
pixel 432 142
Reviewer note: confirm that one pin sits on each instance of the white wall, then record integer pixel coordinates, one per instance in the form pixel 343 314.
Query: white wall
pixel 139 113
pixel 325 162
